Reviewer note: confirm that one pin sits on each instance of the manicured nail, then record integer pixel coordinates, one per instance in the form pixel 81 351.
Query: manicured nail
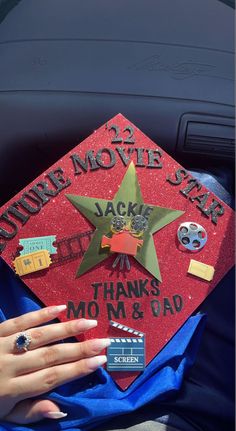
pixel 58 309
pixel 84 324
pixel 96 361
pixel 101 343
pixel 55 415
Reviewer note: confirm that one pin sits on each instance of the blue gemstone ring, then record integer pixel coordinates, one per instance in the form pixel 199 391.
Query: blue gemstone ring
pixel 22 342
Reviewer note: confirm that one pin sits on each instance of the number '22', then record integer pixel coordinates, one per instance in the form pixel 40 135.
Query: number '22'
pixel 118 139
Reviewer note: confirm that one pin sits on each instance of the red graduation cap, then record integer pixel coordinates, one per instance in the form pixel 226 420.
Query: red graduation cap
pixel 138 239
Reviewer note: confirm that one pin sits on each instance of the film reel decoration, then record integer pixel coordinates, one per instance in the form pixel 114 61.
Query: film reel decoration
pixel 138 225
pixel 192 236
pixel 126 353
pixel 118 223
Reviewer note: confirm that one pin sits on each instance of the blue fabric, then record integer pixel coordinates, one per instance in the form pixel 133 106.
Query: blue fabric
pixel 94 398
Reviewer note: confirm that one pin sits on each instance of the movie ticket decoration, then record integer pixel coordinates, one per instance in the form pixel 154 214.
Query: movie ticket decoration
pixel 35 244
pixel 121 233
pixel 32 262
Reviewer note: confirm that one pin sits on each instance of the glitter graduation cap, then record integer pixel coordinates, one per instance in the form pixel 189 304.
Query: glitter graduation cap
pixel 119 172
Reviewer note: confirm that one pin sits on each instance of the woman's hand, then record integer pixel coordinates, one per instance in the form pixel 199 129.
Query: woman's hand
pixel 24 375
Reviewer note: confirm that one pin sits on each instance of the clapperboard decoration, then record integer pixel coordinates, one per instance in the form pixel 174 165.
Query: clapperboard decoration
pixel 126 353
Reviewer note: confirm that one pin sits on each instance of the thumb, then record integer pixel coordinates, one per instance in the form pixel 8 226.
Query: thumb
pixel 29 411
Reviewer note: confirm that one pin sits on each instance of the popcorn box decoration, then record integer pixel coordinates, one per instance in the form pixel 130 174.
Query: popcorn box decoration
pixel 119 231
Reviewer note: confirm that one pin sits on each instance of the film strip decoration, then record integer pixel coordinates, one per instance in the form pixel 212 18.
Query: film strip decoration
pixel 126 353
pixel 68 248
pixel 71 248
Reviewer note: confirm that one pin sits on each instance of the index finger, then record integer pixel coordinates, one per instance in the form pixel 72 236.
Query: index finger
pixel 29 320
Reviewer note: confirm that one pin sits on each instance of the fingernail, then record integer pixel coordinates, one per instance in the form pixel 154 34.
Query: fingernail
pixel 96 361
pixel 84 324
pixel 55 415
pixel 58 309
pixel 101 343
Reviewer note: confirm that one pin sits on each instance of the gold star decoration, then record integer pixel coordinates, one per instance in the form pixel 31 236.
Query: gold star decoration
pixel 128 201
